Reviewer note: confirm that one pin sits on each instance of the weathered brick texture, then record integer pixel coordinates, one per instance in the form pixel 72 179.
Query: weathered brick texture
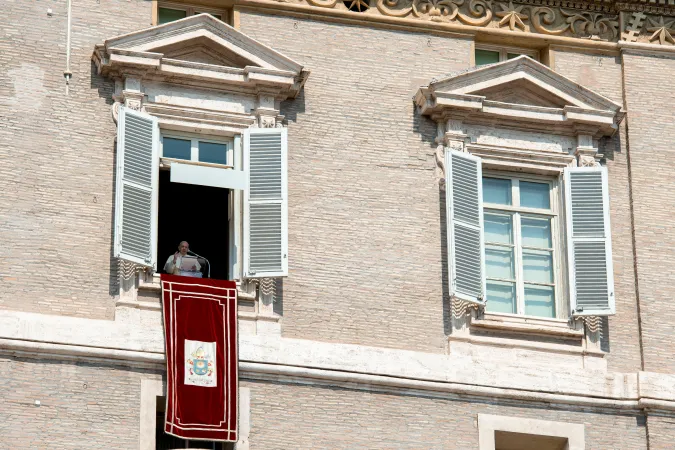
pixel 311 417
pixel 364 206
pixel 650 95
pixel 57 154
pixel 603 74
pixel 82 405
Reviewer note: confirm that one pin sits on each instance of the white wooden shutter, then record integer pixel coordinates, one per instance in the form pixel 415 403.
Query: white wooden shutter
pixel 136 187
pixel 589 248
pixel 266 203
pixel 464 200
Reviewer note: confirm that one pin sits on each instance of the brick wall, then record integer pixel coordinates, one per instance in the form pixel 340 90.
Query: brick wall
pixel 661 432
pixel 602 74
pixel 311 417
pixel 365 235
pixel 57 154
pixel 650 96
pixel 83 405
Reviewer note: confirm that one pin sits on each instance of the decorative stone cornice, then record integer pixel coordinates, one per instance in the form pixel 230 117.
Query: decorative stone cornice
pixel 200 51
pixel 591 21
pixel 520 91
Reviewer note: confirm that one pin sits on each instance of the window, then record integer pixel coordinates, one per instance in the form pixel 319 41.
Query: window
pixel 170 12
pixel 504 239
pixel 522 433
pixel 240 211
pixel 520 225
pixel 491 54
pixel 195 149
pixel 164 441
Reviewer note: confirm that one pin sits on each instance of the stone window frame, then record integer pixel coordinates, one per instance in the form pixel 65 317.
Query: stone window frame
pixel 488 424
pixel 151 389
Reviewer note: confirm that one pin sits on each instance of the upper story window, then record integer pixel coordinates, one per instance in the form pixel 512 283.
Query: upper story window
pixel 486 54
pixel 520 223
pixel 170 12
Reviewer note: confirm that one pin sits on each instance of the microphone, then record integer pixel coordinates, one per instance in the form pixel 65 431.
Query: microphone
pixel 207 261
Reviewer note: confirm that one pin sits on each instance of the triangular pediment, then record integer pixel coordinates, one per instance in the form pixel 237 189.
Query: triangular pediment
pixel 522 92
pixel 204 51
pixel 201 48
pixel 517 92
pixel 524 81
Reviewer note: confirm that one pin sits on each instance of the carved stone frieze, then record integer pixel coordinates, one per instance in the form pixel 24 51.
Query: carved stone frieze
pixel 648 29
pixel 610 21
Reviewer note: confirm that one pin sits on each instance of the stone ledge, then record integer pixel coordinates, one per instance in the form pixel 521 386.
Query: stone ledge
pixel 527 325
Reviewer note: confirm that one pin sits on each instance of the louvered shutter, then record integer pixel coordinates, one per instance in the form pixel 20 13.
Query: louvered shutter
pixel 266 203
pixel 136 187
pixel 589 248
pixel 464 200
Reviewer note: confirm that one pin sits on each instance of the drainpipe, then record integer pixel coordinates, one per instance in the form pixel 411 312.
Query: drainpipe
pixel 68 74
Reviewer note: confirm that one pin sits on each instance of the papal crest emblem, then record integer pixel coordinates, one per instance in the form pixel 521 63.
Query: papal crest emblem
pixel 200 363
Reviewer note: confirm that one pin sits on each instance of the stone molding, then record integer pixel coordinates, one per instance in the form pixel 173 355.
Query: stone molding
pixel 588 22
pixel 202 52
pixel 535 95
pixel 543 376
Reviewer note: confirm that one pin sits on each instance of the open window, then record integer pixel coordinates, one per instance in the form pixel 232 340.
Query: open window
pixel 194 197
pixel 503 233
pixel 527 200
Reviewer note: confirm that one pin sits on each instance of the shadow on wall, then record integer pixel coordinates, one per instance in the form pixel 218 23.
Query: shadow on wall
pixel 292 107
pixel 105 87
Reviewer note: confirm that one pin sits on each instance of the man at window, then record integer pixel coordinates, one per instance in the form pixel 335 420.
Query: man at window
pixel 180 262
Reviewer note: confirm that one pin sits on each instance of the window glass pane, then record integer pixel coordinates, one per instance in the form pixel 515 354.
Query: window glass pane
pixel 499 262
pixel 501 297
pixel 512 55
pixel 165 15
pixel 538 266
pixel 535 195
pixel 176 148
pixel 498 228
pixel 497 190
pixel 536 232
pixel 212 153
pixel 486 57
pixel 539 301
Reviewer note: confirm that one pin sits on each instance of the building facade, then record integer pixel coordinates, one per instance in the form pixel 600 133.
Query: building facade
pixel 449 220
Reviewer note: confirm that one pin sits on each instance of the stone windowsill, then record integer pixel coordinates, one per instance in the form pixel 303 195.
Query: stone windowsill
pixel 528 325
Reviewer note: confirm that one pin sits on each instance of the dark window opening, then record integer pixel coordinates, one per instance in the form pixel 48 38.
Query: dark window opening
pixel 198 215
pixel 164 441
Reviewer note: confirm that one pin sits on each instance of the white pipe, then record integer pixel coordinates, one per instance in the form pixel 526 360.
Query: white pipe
pixel 68 74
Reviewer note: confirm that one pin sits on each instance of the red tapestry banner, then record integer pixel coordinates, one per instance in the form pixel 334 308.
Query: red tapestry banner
pixel 200 331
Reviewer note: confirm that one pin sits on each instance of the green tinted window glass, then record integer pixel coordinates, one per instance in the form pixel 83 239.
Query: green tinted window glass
pixel 212 153
pixel 512 55
pixel 166 15
pixel 486 57
pixel 176 148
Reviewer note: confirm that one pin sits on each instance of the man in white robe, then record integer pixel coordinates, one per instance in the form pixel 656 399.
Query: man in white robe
pixel 175 262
